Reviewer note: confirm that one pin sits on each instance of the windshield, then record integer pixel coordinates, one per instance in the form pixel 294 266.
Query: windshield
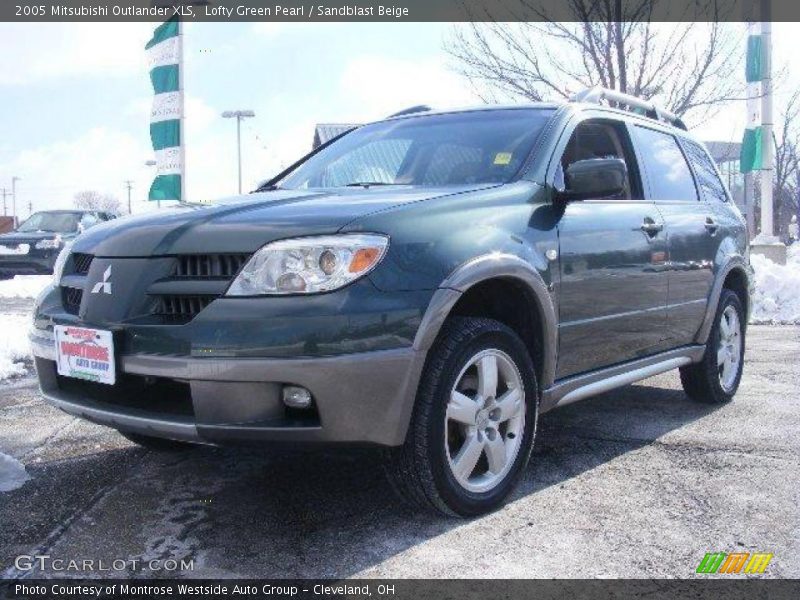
pixel 53 222
pixel 483 146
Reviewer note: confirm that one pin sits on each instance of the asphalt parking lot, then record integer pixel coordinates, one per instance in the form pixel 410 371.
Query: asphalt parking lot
pixel 638 482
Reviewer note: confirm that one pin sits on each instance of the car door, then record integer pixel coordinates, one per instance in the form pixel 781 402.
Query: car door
pixel 613 287
pixel 691 229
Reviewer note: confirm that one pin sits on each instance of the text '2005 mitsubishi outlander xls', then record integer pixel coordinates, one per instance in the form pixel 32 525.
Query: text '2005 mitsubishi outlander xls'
pixel 428 284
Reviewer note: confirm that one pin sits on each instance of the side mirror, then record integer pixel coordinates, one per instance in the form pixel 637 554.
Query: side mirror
pixel 595 178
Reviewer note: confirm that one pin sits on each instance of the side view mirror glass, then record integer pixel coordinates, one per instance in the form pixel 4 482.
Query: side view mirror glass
pixel 595 178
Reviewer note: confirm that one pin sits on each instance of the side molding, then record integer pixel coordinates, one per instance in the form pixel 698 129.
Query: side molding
pixel 483 268
pixel 579 387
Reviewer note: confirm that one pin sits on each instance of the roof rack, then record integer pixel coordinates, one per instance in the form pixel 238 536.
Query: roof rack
pixel 410 111
pixel 596 95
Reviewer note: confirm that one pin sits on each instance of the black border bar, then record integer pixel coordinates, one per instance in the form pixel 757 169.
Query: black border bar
pixel 733 587
pixel 33 11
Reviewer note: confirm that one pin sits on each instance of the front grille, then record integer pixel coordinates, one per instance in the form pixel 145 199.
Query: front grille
pixel 202 266
pixel 181 308
pixel 81 262
pixel 71 299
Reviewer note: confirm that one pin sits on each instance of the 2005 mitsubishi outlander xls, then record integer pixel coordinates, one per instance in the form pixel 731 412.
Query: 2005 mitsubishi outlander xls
pixel 429 283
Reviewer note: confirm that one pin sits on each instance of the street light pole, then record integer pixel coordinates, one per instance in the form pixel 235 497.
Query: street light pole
pixel 14 181
pixel 238 115
pixel 129 185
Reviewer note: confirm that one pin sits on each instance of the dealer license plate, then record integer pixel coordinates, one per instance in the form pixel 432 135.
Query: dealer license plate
pixel 85 353
pixel 14 250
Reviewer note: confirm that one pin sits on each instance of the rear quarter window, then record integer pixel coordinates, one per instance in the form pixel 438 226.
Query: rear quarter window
pixel 711 187
pixel 668 173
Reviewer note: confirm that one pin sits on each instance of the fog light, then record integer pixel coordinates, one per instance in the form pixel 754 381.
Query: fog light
pixel 296 396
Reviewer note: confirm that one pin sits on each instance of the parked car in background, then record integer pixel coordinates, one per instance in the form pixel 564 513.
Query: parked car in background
pixel 32 248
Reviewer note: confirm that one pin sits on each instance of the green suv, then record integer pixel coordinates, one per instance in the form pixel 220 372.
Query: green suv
pixel 428 284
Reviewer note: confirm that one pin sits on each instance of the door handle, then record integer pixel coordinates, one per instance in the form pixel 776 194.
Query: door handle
pixel 711 226
pixel 650 227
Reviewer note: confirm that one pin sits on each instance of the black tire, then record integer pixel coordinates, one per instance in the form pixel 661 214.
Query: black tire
pixel 701 381
pixel 419 470
pixel 157 444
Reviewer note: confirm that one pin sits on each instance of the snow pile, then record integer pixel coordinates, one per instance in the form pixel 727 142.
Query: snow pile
pixel 12 473
pixel 24 286
pixel 777 295
pixel 14 345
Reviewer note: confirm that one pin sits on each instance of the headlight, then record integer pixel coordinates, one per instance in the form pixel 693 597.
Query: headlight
pixel 61 260
pixel 49 244
pixel 309 265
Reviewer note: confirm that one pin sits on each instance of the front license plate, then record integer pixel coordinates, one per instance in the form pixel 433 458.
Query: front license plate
pixel 85 353
pixel 14 250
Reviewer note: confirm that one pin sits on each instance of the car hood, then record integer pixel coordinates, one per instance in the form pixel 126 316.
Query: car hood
pixel 242 224
pixel 16 237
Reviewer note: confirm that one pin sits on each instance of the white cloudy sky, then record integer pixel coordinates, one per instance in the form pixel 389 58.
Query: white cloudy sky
pixel 75 98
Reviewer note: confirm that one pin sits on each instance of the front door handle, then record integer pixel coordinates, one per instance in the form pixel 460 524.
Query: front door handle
pixel 650 227
pixel 711 226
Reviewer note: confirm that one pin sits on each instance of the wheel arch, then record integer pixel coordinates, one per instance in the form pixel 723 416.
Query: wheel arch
pixel 735 276
pixel 488 277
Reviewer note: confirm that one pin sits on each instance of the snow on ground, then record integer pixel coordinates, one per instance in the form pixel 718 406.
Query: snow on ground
pixel 14 346
pixel 777 295
pixel 12 473
pixel 24 286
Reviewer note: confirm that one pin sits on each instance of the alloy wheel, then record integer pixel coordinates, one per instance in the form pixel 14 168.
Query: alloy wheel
pixel 729 349
pixel 485 421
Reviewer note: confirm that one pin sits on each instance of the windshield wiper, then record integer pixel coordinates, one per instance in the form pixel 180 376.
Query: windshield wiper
pixel 366 184
pixel 267 187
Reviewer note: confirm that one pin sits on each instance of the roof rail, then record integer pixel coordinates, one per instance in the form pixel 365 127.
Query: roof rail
pixel 596 95
pixel 410 111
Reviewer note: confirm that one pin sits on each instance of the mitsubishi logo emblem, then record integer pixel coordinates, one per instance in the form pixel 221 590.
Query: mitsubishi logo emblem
pixel 104 285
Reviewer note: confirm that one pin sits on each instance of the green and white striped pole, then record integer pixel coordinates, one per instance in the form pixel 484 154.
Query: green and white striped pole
pixel 165 56
pixel 757 150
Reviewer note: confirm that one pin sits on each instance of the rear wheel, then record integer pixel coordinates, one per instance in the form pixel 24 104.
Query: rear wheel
pixel 157 444
pixel 474 421
pixel 715 379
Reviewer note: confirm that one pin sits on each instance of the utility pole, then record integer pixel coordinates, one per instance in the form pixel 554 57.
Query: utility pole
pixel 5 208
pixel 14 181
pixel 767 229
pixel 238 115
pixel 129 185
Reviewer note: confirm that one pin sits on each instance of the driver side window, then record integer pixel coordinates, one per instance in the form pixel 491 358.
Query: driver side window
pixel 601 139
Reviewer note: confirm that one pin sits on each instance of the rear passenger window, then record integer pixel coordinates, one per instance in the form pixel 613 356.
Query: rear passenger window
pixel 667 171
pixel 711 186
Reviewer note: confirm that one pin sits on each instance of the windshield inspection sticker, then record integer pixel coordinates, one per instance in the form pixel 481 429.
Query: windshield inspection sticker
pixel 85 353
pixel 502 158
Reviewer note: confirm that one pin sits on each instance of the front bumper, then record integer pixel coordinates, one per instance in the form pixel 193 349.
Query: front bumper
pixel 28 264
pixel 363 398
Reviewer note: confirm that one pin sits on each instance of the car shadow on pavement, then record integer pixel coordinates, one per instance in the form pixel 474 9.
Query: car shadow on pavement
pixel 267 513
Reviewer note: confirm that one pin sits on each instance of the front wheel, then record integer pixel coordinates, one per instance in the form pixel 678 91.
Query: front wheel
pixel 474 421
pixel 715 379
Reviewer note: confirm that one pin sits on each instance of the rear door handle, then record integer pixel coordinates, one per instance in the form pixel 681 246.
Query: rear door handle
pixel 650 227
pixel 711 226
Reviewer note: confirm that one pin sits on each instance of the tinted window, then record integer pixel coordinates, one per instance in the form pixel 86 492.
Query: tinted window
pixel 669 176
pixel 484 146
pixel 51 222
pixel 711 186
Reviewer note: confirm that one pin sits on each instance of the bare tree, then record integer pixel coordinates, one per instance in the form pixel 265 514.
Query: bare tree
pixel 689 67
pixel 93 200
pixel 787 164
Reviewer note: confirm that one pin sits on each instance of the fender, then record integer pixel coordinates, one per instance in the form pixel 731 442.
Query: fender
pixel 734 262
pixel 483 268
